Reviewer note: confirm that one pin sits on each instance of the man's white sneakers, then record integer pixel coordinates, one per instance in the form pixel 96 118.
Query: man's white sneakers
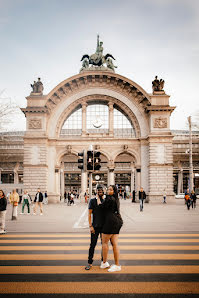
pixel 114 268
pixel 104 265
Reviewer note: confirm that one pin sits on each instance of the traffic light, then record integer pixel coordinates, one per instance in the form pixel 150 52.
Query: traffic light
pixel 82 161
pixel 90 160
pixel 97 160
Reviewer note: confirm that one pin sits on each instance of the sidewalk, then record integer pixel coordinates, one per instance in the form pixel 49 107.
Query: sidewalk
pixel 60 218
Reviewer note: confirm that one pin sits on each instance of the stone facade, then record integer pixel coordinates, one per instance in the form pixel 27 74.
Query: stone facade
pixel 49 155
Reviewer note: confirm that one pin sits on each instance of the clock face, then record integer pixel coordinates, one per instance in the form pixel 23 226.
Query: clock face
pixel 97 177
pixel 97 123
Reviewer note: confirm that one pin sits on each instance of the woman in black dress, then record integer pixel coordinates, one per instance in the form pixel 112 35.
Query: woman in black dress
pixel 111 228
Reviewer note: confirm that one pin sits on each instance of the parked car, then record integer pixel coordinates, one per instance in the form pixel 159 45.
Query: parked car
pixel 180 196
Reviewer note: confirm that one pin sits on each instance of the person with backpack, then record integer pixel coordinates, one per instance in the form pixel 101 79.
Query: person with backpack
pixel 188 198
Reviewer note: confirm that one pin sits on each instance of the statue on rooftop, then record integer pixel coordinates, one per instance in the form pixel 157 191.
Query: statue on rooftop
pixel 157 85
pixel 37 87
pixel 97 59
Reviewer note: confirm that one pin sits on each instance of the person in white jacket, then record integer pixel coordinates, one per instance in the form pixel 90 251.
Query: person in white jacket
pixel 26 200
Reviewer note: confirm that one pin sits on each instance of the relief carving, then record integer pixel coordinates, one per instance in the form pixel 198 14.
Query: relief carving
pixel 35 124
pixel 160 122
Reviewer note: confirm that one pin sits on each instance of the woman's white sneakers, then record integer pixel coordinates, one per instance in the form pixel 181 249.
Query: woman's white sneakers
pixel 104 265
pixel 114 268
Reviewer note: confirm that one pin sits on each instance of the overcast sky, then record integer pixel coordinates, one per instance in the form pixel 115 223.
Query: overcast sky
pixel 47 38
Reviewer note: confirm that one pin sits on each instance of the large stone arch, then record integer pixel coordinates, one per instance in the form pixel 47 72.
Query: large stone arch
pixel 84 87
pixel 131 152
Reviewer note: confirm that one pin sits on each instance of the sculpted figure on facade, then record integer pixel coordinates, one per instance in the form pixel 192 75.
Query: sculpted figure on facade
pixel 37 87
pixel 157 85
pixel 97 59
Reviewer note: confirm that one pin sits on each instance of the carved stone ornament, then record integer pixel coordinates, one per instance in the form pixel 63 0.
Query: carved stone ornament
pixel 160 122
pixel 35 124
pixel 69 148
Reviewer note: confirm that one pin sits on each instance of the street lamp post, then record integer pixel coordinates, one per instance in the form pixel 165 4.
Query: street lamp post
pixel 191 184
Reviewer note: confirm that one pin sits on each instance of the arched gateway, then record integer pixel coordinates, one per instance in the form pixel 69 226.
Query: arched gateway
pixel 126 124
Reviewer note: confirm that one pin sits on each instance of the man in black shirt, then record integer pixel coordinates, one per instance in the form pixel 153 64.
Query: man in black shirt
pixel 142 197
pixel 95 219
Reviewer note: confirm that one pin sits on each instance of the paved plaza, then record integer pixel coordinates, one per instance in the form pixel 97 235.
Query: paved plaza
pixel 156 217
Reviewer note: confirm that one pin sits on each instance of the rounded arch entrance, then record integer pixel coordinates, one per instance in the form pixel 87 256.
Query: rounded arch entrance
pixel 72 179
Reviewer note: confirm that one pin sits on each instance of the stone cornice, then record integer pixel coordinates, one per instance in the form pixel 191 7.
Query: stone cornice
pixel 160 108
pixel 95 79
pixel 34 110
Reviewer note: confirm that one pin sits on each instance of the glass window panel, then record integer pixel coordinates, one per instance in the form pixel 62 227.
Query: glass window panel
pixel 97 118
pixel 73 124
pixel 122 125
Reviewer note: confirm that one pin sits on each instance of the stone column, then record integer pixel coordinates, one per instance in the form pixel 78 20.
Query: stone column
pixel 84 105
pixel 180 181
pixel 137 180
pixel 62 184
pixel 84 182
pixel 111 176
pixel 132 179
pixel 111 119
pixel 57 182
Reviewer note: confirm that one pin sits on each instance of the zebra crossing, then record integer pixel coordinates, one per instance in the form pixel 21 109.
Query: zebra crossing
pixel 153 265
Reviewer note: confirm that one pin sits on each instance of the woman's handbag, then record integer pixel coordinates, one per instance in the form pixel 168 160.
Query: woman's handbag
pixel 15 203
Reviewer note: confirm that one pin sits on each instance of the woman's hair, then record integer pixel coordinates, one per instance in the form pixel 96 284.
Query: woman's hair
pixel 115 195
pixel 2 192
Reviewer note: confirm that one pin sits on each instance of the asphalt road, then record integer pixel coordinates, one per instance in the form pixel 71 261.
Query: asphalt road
pixel 154 265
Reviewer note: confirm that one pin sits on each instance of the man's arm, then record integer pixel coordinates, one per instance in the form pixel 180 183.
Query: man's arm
pixel 92 230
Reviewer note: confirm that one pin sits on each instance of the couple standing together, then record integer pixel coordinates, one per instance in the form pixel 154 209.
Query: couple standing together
pixel 105 220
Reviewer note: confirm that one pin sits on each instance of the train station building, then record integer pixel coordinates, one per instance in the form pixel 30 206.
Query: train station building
pixel 129 126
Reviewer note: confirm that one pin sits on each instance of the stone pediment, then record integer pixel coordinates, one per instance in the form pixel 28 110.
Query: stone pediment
pixel 107 80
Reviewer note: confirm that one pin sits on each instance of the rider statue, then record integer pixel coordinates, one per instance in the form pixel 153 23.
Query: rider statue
pixel 98 59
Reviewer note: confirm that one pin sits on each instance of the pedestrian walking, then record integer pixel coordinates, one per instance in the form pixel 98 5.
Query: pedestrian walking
pixel 111 228
pixel 69 197
pixel 72 199
pixel 45 198
pixel 164 196
pixel 65 196
pixel 133 196
pixel 142 197
pixel 96 220
pixel 14 200
pixel 26 201
pixel 187 198
pixel 3 206
pixel 86 197
pixel 193 199
pixel 38 202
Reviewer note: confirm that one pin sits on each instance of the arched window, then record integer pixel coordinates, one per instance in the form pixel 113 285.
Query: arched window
pixel 73 124
pixel 97 121
pixel 122 125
